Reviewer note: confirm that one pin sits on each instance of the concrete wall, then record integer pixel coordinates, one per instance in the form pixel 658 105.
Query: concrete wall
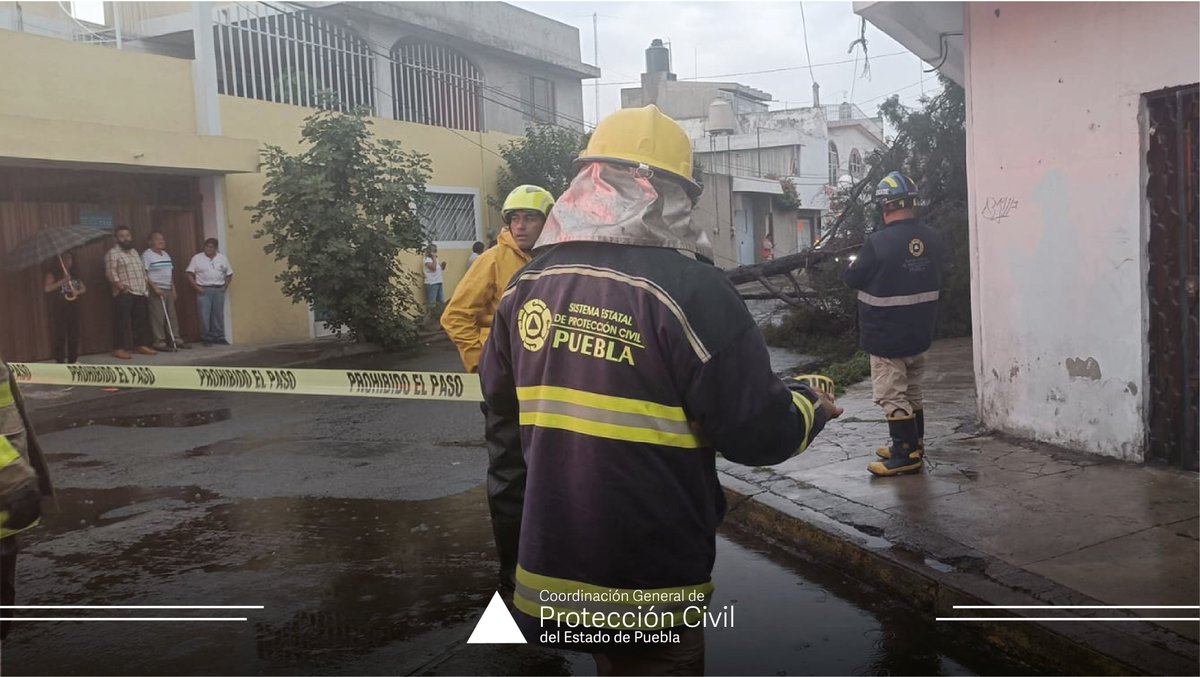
pixel 93 84
pixel 261 314
pixel 714 215
pixel 786 128
pixel 101 107
pixel 686 99
pixel 495 25
pixel 502 110
pixel 1058 235
pixel 848 138
pixel 483 33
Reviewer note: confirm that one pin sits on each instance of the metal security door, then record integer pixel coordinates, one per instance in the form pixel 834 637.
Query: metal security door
pixel 1172 189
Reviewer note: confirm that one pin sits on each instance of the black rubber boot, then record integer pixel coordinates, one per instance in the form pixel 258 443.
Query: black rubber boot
pixel 886 452
pixel 904 458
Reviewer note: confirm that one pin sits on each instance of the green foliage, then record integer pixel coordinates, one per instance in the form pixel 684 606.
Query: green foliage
pixel 543 158
pixel 813 330
pixel 930 147
pixel 338 214
pixel 849 371
pixel 790 200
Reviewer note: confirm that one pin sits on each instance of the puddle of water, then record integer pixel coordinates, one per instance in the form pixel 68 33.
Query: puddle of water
pixel 798 617
pixel 356 586
pixel 170 419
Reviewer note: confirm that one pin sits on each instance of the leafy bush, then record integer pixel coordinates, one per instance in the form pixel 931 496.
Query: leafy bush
pixel 339 213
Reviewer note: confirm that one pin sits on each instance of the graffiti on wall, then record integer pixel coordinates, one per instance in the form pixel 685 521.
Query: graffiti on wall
pixel 997 208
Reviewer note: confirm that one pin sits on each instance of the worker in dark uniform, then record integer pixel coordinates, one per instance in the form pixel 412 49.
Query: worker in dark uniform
pixel 24 480
pixel 620 365
pixel 898 278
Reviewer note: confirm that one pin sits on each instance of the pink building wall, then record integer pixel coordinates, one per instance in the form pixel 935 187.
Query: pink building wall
pixel 1058 234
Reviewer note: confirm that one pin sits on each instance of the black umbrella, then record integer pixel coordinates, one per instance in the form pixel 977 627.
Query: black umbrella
pixel 49 243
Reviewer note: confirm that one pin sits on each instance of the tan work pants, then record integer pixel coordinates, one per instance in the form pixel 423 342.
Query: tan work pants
pixel 162 308
pixel 896 383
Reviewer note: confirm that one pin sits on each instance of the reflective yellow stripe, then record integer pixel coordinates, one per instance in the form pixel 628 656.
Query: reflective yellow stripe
pixel 584 398
pixel 8 453
pixel 806 410
pixel 5 533
pixel 891 182
pixel 6 396
pixel 608 430
pixel 603 607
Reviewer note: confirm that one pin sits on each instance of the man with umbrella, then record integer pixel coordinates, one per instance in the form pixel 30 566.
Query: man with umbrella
pixel 131 288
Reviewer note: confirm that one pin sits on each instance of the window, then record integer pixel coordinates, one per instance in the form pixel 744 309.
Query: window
pixel 537 99
pixel 291 57
pixel 833 164
pixel 856 164
pixel 452 216
pixel 435 85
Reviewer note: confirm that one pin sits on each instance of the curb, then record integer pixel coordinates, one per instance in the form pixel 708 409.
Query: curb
pixel 934 587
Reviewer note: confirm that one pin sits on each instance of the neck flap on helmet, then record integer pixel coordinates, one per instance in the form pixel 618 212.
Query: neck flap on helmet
pixel 609 202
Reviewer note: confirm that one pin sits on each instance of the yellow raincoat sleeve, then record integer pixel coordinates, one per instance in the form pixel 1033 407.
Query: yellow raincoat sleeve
pixel 465 318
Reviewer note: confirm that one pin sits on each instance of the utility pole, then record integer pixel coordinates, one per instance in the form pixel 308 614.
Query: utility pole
pixel 921 67
pixel 596 59
pixel 758 146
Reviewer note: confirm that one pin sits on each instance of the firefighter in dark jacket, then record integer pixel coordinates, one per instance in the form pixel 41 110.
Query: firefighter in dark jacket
pixel 898 278
pixel 621 365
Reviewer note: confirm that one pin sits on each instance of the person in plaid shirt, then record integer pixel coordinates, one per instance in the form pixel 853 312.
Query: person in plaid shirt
pixel 127 275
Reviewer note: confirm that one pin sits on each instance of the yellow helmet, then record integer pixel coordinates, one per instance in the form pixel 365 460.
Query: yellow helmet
pixel 533 198
pixel 644 136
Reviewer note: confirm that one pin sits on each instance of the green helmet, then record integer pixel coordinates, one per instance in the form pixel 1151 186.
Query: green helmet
pixel 532 198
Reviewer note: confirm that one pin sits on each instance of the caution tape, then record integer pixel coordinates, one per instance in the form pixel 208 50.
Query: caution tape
pixel 410 385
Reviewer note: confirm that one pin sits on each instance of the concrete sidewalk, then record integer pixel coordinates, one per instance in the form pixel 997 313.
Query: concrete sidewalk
pixel 994 520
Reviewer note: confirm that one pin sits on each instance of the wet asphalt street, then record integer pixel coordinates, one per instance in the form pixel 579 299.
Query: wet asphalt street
pixel 361 527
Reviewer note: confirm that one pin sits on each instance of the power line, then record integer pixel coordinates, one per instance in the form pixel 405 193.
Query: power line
pixel 807 55
pixel 894 91
pixel 781 69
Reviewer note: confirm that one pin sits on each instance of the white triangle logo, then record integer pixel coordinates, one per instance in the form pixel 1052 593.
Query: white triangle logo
pixel 496 626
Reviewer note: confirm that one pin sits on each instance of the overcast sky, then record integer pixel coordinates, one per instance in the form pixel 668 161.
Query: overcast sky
pixel 723 38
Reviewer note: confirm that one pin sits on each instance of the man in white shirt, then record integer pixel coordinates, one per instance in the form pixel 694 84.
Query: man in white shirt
pixel 210 274
pixel 433 282
pixel 160 272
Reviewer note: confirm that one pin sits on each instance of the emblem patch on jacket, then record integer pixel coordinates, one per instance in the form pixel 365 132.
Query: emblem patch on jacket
pixel 533 324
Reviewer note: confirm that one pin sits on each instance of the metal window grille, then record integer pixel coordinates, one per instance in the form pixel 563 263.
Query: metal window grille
pixel 451 217
pixel 435 85
pixel 291 57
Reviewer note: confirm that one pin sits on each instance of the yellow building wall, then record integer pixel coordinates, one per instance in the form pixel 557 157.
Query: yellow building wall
pixel 261 314
pixel 48 84
pixel 50 79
